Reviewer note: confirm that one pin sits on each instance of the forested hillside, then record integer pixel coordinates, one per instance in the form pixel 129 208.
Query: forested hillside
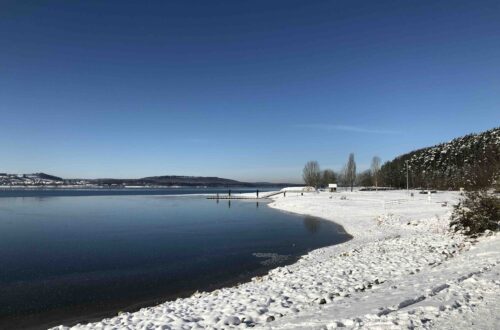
pixel 472 162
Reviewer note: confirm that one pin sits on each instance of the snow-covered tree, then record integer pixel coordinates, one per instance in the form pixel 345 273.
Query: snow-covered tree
pixel 471 161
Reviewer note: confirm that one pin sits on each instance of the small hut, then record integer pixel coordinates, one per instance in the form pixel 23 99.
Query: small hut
pixel 332 187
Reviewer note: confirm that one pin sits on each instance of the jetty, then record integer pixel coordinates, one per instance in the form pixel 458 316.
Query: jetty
pixel 232 197
pixel 257 196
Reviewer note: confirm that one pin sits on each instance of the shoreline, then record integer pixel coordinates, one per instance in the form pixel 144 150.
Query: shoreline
pixel 86 313
pixel 400 268
pixel 32 321
pixel 398 304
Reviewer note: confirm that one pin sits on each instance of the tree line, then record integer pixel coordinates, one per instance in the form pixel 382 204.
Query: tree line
pixel 348 177
pixel 471 162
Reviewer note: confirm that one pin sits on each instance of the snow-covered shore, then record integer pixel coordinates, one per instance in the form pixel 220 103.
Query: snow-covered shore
pixel 402 269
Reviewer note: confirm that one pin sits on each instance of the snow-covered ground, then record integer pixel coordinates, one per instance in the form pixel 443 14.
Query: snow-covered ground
pixel 402 269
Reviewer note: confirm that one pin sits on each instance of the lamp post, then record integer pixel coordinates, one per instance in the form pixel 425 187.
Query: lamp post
pixel 407 181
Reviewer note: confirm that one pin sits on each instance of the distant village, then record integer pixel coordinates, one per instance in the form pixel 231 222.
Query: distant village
pixel 38 180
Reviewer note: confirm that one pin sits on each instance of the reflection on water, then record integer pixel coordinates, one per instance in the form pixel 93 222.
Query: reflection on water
pixel 312 224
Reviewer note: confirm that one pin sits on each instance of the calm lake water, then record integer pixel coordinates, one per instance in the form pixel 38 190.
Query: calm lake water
pixel 41 192
pixel 68 259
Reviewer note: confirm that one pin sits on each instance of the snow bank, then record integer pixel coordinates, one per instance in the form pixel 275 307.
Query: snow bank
pixel 402 269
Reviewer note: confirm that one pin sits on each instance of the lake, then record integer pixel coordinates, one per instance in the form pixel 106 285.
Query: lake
pixel 47 192
pixel 65 259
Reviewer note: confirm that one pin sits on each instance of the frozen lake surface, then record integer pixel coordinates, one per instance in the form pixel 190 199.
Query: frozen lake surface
pixel 67 259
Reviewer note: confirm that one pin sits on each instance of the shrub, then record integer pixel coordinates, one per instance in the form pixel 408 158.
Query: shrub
pixel 476 212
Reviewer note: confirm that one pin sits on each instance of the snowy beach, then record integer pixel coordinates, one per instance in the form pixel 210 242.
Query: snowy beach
pixel 402 269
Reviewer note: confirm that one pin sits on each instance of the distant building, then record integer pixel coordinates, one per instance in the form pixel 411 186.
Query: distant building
pixel 332 187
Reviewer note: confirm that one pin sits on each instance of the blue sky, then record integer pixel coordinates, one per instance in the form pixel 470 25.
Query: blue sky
pixel 249 90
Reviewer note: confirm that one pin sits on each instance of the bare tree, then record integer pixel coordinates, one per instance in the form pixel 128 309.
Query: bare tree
pixel 351 171
pixel 341 177
pixel 312 174
pixel 375 171
pixel 329 176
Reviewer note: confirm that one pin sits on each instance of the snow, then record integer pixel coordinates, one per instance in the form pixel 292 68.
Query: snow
pixel 299 189
pixel 403 268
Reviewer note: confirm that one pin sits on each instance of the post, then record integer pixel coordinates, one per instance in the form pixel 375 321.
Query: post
pixel 257 193
pixel 407 181
pixel 229 193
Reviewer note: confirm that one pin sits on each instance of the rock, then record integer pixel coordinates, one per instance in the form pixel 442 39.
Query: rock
pixel 322 301
pixel 262 310
pixel 232 320
pixel 270 318
pixel 384 311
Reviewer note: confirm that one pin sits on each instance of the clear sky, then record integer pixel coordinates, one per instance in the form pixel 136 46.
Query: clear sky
pixel 248 90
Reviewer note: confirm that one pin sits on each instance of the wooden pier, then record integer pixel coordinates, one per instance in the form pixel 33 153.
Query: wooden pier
pixel 238 196
pixel 232 197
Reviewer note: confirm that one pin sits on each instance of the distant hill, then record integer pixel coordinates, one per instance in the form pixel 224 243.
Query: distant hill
pixel 197 180
pixel 185 181
pixel 471 161
pixel 174 180
pixel 47 177
pixel 42 179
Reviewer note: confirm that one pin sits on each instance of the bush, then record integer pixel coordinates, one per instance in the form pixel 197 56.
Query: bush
pixel 476 212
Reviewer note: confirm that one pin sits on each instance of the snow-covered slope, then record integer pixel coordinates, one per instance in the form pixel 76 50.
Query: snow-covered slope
pixel 418 276
pixel 402 269
pixel 471 161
